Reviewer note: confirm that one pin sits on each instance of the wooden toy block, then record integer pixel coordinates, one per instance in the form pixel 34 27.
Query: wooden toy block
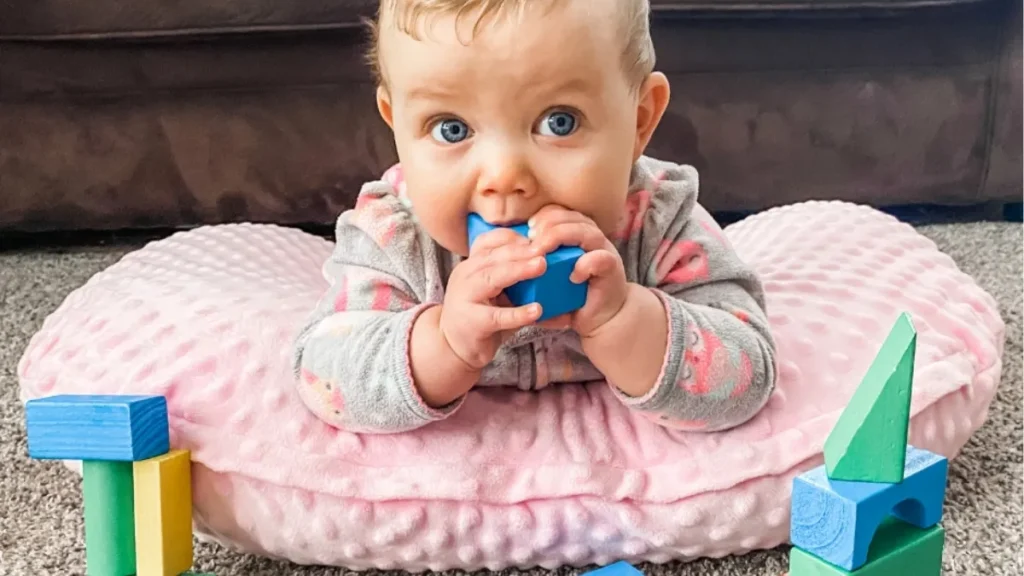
pixel 869 440
pixel 88 427
pixel 109 518
pixel 553 290
pixel 163 514
pixel 898 549
pixel 835 520
pixel 619 568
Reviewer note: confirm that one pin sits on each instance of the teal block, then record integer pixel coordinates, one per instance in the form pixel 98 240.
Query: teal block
pixel 97 427
pixel 836 520
pixel 553 290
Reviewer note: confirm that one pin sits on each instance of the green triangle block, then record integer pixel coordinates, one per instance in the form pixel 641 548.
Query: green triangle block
pixel 869 441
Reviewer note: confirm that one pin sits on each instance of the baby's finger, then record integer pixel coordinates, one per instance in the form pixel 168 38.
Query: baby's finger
pixel 554 214
pixel 494 239
pixel 582 234
pixel 494 319
pixel 488 282
pixel 507 254
pixel 543 222
pixel 594 264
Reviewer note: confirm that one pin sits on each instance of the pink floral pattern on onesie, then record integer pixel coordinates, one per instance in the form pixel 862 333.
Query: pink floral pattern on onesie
pixel 712 367
pixel 632 220
pixel 329 395
pixel 683 262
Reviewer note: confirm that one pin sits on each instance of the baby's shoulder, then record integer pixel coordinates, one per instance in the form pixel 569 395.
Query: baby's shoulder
pixel 660 193
pixel 653 170
pixel 382 212
pixel 664 222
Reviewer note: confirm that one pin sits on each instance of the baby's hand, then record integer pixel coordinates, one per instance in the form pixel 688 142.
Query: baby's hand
pixel 601 265
pixel 476 317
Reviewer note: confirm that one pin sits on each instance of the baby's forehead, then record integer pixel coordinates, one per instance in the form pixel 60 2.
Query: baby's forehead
pixel 551 23
pixel 548 36
pixel 418 18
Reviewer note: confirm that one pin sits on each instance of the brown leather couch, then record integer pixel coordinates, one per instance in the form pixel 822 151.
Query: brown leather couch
pixel 147 114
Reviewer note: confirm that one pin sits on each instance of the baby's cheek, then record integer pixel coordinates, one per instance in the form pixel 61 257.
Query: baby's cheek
pixel 597 188
pixel 445 225
pixel 610 221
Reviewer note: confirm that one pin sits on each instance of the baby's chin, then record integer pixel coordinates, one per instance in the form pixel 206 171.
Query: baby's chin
pixel 454 242
pixel 462 250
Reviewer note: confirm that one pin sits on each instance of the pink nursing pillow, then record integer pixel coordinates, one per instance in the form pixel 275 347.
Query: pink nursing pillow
pixel 563 476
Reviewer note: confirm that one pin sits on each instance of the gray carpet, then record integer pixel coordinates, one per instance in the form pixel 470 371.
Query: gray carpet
pixel 40 507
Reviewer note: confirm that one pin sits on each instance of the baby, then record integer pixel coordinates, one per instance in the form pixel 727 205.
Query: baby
pixel 535 111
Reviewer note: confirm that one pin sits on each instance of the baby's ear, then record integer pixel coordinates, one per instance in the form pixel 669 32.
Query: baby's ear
pixel 654 95
pixel 384 106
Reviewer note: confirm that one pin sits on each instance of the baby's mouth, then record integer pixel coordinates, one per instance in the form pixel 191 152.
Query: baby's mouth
pixel 509 222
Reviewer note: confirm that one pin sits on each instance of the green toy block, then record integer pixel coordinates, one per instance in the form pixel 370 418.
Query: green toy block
pixel 108 496
pixel 899 549
pixel 869 441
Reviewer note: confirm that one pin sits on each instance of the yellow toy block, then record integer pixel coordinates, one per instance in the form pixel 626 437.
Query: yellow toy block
pixel 163 514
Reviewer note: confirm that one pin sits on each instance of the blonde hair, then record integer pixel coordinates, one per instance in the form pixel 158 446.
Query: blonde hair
pixel 638 57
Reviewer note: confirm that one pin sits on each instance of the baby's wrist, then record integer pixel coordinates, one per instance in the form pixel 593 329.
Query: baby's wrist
pixel 630 347
pixel 439 375
pixel 625 322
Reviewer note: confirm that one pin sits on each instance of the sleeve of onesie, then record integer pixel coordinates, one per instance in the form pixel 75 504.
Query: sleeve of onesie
pixel 720 365
pixel 351 358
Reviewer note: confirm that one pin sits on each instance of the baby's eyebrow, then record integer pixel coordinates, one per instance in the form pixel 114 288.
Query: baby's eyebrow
pixel 432 93
pixel 552 85
pixel 574 84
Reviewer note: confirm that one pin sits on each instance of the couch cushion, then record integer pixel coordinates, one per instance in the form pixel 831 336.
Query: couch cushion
pixel 49 19
pixel 794 5
pixel 41 19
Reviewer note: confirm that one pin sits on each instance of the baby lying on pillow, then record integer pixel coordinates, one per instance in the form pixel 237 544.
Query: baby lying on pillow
pixel 539 112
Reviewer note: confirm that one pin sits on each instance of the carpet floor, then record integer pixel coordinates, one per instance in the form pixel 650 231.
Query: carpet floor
pixel 40 504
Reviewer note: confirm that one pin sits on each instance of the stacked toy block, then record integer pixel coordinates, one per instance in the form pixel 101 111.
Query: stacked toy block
pixel 873 508
pixel 137 492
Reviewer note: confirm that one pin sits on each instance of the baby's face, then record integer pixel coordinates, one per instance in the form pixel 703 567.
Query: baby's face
pixel 528 113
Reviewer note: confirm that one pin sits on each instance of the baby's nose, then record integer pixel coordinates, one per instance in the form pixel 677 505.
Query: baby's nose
pixel 506 174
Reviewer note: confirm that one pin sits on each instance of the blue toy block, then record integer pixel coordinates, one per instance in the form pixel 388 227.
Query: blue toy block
pixel 93 427
pixel 619 568
pixel 553 290
pixel 836 520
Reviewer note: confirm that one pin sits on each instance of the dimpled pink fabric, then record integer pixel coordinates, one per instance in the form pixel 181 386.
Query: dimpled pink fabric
pixel 564 476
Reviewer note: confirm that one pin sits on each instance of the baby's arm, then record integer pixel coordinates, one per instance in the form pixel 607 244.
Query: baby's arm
pixel 719 366
pixel 356 357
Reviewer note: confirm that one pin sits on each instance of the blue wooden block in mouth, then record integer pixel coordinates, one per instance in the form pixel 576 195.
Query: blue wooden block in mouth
pixel 553 290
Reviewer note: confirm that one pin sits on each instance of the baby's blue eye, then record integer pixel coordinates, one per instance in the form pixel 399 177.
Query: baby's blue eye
pixel 450 131
pixel 558 124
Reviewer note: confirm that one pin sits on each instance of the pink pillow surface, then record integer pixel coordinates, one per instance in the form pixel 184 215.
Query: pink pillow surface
pixel 564 476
